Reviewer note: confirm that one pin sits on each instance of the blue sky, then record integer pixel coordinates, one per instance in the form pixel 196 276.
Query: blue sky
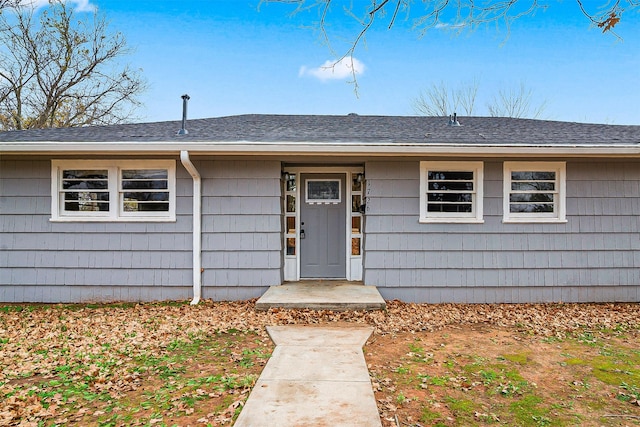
pixel 232 58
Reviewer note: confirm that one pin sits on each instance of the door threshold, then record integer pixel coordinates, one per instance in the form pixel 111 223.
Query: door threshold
pixel 324 282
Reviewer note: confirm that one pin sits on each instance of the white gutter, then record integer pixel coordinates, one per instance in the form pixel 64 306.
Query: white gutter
pixel 380 149
pixel 197 226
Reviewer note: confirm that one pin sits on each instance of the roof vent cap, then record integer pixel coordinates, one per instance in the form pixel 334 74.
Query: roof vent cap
pixel 183 130
pixel 453 120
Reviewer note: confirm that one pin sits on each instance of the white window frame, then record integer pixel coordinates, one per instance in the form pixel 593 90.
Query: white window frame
pixel 476 214
pixel 559 214
pixel 116 212
pixel 312 200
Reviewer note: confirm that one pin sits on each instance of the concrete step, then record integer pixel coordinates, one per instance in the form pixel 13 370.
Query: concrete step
pixel 322 295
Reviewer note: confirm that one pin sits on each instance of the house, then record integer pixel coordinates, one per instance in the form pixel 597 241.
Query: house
pixel 427 209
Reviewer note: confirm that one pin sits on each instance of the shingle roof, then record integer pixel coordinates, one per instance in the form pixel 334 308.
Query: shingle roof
pixel 349 128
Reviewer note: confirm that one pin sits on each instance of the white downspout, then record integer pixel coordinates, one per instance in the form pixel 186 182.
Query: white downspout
pixel 197 226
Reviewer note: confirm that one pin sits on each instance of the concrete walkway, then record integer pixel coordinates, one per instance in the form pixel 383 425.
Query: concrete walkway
pixel 316 376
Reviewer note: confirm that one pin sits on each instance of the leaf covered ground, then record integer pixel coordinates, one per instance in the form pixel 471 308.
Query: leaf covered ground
pixel 445 364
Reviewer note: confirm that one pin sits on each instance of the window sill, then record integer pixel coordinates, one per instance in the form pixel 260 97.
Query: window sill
pixel 534 221
pixel 140 219
pixel 450 221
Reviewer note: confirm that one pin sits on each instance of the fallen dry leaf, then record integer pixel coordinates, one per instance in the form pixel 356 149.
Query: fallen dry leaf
pixel 40 341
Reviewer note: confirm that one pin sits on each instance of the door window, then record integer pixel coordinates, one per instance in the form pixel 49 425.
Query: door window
pixel 323 190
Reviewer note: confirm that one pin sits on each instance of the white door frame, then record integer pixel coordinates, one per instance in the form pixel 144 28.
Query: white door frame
pixel 353 263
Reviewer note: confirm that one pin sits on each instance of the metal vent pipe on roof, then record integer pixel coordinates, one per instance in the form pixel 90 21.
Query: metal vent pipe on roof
pixel 183 130
pixel 453 121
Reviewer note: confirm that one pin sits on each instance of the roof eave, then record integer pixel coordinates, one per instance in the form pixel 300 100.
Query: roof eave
pixel 353 148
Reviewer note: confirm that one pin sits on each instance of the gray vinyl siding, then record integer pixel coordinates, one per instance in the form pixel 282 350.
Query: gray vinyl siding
pixel 44 261
pixel 241 228
pixel 595 256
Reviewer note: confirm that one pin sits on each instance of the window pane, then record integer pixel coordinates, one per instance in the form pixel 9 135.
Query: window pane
pixel 147 197
pixel 450 208
pixel 145 174
pixel 135 206
pixel 85 180
pixel 146 202
pixel 450 176
pixel 86 196
pixel 532 192
pixel 532 197
pixel 320 190
pixel 357 186
pixel 291 203
pixel 355 246
pixel 450 197
pixel 85 190
pixel 84 174
pixel 533 186
pixel 450 191
pixel 291 184
pixel 356 203
pixel 85 201
pixel 86 207
pixel 291 224
pixel 533 176
pixel 450 186
pixel 143 186
pixel 531 207
pixel 291 246
pixel 355 224
pixel 145 179
pixel 68 184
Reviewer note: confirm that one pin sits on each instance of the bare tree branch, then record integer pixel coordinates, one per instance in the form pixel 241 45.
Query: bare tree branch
pixel 440 100
pixel 515 103
pixel 61 71
pixel 436 101
pixel 8 3
pixel 456 15
pixel 461 13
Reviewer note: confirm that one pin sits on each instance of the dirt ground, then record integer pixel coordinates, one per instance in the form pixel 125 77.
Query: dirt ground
pixel 486 375
pixel 171 364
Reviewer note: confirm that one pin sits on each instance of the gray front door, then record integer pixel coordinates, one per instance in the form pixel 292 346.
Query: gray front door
pixel 323 214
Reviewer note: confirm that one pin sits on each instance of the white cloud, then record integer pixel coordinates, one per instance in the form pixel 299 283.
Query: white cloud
pixel 332 70
pixel 80 5
pixel 444 26
pixel 84 6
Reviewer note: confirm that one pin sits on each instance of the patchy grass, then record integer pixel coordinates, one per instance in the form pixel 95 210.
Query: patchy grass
pixel 205 379
pixel 438 365
pixel 124 365
pixel 483 375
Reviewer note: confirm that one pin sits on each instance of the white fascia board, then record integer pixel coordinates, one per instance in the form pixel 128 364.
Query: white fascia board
pixel 378 149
